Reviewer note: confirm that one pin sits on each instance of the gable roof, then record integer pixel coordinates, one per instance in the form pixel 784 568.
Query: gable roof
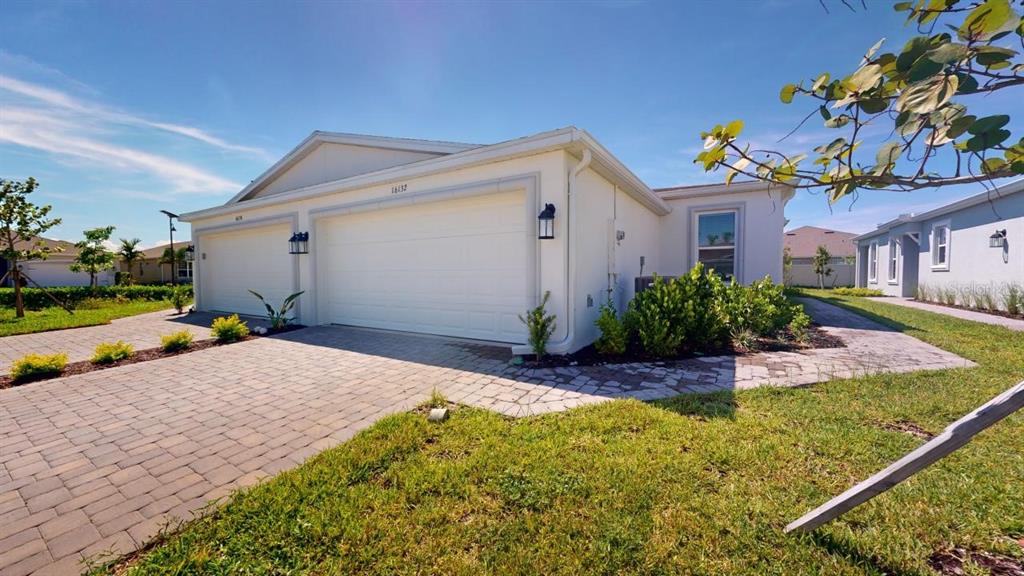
pixel 319 137
pixel 1015 187
pixel 158 251
pixel 570 138
pixel 56 246
pixel 803 242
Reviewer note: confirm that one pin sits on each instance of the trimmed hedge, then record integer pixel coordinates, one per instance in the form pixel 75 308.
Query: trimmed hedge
pixel 35 298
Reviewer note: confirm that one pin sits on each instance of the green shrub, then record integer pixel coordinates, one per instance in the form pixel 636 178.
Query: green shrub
pixel 38 366
pixel 540 326
pixel 761 308
pixel 656 318
pixel 863 292
pixel 1013 298
pixel 798 326
pixel 229 328
pixel 110 352
pixel 36 298
pixel 176 341
pixel 180 297
pixel 704 320
pixel 614 337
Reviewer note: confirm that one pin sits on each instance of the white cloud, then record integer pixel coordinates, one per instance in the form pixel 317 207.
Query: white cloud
pixel 74 131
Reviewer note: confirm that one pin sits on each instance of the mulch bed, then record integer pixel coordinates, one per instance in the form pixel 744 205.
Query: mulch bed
pixel 1002 313
pixel 950 562
pixel 816 338
pixel 84 366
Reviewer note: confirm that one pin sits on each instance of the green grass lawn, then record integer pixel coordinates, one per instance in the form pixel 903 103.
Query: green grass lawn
pixel 57 318
pixel 694 485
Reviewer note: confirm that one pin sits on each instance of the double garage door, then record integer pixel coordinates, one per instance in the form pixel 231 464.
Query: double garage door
pixel 456 267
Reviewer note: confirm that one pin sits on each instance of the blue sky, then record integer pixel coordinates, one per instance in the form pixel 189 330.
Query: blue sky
pixel 121 109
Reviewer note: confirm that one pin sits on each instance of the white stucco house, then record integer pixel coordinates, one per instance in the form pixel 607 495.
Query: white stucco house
pixel 445 238
pixel 977 240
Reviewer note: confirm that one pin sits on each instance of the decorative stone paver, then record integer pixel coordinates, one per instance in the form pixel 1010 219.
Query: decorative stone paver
pixel 995 320
pixel 141 331
pixel 98 462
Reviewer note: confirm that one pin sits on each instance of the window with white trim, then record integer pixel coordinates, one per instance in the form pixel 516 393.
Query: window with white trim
pixel 184 270
pixel 940 246
pixel 894 254
pixel 715 244
pixel 873 262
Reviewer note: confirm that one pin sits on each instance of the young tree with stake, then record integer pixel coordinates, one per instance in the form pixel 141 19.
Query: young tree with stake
pixel 93 256
pixel 21 225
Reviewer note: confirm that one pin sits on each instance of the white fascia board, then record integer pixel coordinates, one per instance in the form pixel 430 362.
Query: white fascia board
pixel 539 143
pixel 703 190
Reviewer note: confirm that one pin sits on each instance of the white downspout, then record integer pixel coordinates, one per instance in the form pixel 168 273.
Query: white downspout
pixel 562 346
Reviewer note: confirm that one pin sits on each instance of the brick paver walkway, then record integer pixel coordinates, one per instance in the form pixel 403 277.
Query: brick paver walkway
pixel 141 331
pixel 98 462
pixel 1011 323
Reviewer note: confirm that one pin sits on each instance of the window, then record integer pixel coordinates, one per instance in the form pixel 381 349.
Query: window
pixel 940 246
pixel 873 262
pixel 184 270
pixel 894 253
pixel 716 242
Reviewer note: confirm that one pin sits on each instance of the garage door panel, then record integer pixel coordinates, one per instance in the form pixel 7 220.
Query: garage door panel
pixel 455 267
pixel 235 262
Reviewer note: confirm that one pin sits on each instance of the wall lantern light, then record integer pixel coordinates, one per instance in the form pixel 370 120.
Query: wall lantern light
pixel 299 243
pixel 997 240
pixel 190 253
pixel 546 222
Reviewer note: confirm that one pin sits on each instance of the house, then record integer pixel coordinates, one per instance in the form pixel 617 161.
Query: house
pixel 149 270
pixel 976 240
pixel 459 239
pixel 803 244
pixel 55 269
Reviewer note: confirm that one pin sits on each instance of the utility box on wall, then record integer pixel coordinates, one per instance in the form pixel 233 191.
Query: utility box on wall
pixel 642 283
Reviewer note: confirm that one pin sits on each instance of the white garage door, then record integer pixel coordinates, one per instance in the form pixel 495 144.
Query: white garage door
pixel 455 267
pixel 232 263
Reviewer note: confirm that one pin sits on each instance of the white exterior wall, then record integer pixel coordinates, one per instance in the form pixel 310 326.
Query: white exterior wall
pixel 881 280
pixel 760 223
pixel 971 260
pixel 54 272
pixel 549 169
pixel 330 161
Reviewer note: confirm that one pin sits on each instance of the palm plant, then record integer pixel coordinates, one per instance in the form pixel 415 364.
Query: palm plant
pixel 129 253
pixel 278 318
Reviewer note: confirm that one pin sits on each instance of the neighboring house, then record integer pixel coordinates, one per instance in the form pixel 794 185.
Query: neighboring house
pixel 446 238
pixel 978 240
pixel 55 271
pixel 148 270
pixel 803 244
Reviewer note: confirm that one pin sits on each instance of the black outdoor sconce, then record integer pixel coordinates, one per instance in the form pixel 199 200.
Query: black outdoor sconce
pixel 997 240
pixel 546 222
pixel 190 253
pixel 299 243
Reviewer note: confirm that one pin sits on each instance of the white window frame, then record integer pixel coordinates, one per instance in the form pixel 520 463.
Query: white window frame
pixel 873 262
pixel 893 262
pixel 934 245
pixel 188 269
pixel 695 237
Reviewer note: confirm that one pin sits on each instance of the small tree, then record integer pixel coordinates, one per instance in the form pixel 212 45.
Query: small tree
pixel 21 224
pixel 129 253
pixel 821 262
pixel 787 266
pixel 93 256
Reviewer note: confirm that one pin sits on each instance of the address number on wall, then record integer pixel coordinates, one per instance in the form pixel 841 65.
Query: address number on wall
pixel 399 188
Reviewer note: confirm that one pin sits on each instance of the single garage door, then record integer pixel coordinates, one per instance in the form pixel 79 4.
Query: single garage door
pixel 453 267
pixel 232 263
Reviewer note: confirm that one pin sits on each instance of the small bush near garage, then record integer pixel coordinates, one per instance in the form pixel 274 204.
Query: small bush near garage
pixel 540 326
pixel 229 328
pixel 110 352
pixel 38 366
pixel 614 336
pixel 180 297
pixel 36 298
pixel 176 341
pixel 862 292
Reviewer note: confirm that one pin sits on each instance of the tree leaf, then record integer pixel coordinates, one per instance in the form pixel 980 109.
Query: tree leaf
pixel 786 95
pixel 837 121
pixel 735 169
pixel 924 68
pixel 987 140
pixel 823 110
pixel 873 105
pixel 925 97
pixel 820 82
pixel 864 78
pixel 871 51
pixel 991 165
pixel 734 128
pixel 949 53
pixel 988 19
pixel 988 123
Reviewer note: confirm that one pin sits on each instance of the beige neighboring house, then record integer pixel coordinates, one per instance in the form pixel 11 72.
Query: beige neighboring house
pixel 148 270
pixel 803 244
pixel 55 270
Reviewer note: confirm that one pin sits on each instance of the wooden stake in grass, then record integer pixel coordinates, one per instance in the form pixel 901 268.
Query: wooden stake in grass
pixel 953 437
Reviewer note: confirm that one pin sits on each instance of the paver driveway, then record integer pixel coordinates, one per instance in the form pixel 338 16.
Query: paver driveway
pixel 98 461
pixel 141 331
